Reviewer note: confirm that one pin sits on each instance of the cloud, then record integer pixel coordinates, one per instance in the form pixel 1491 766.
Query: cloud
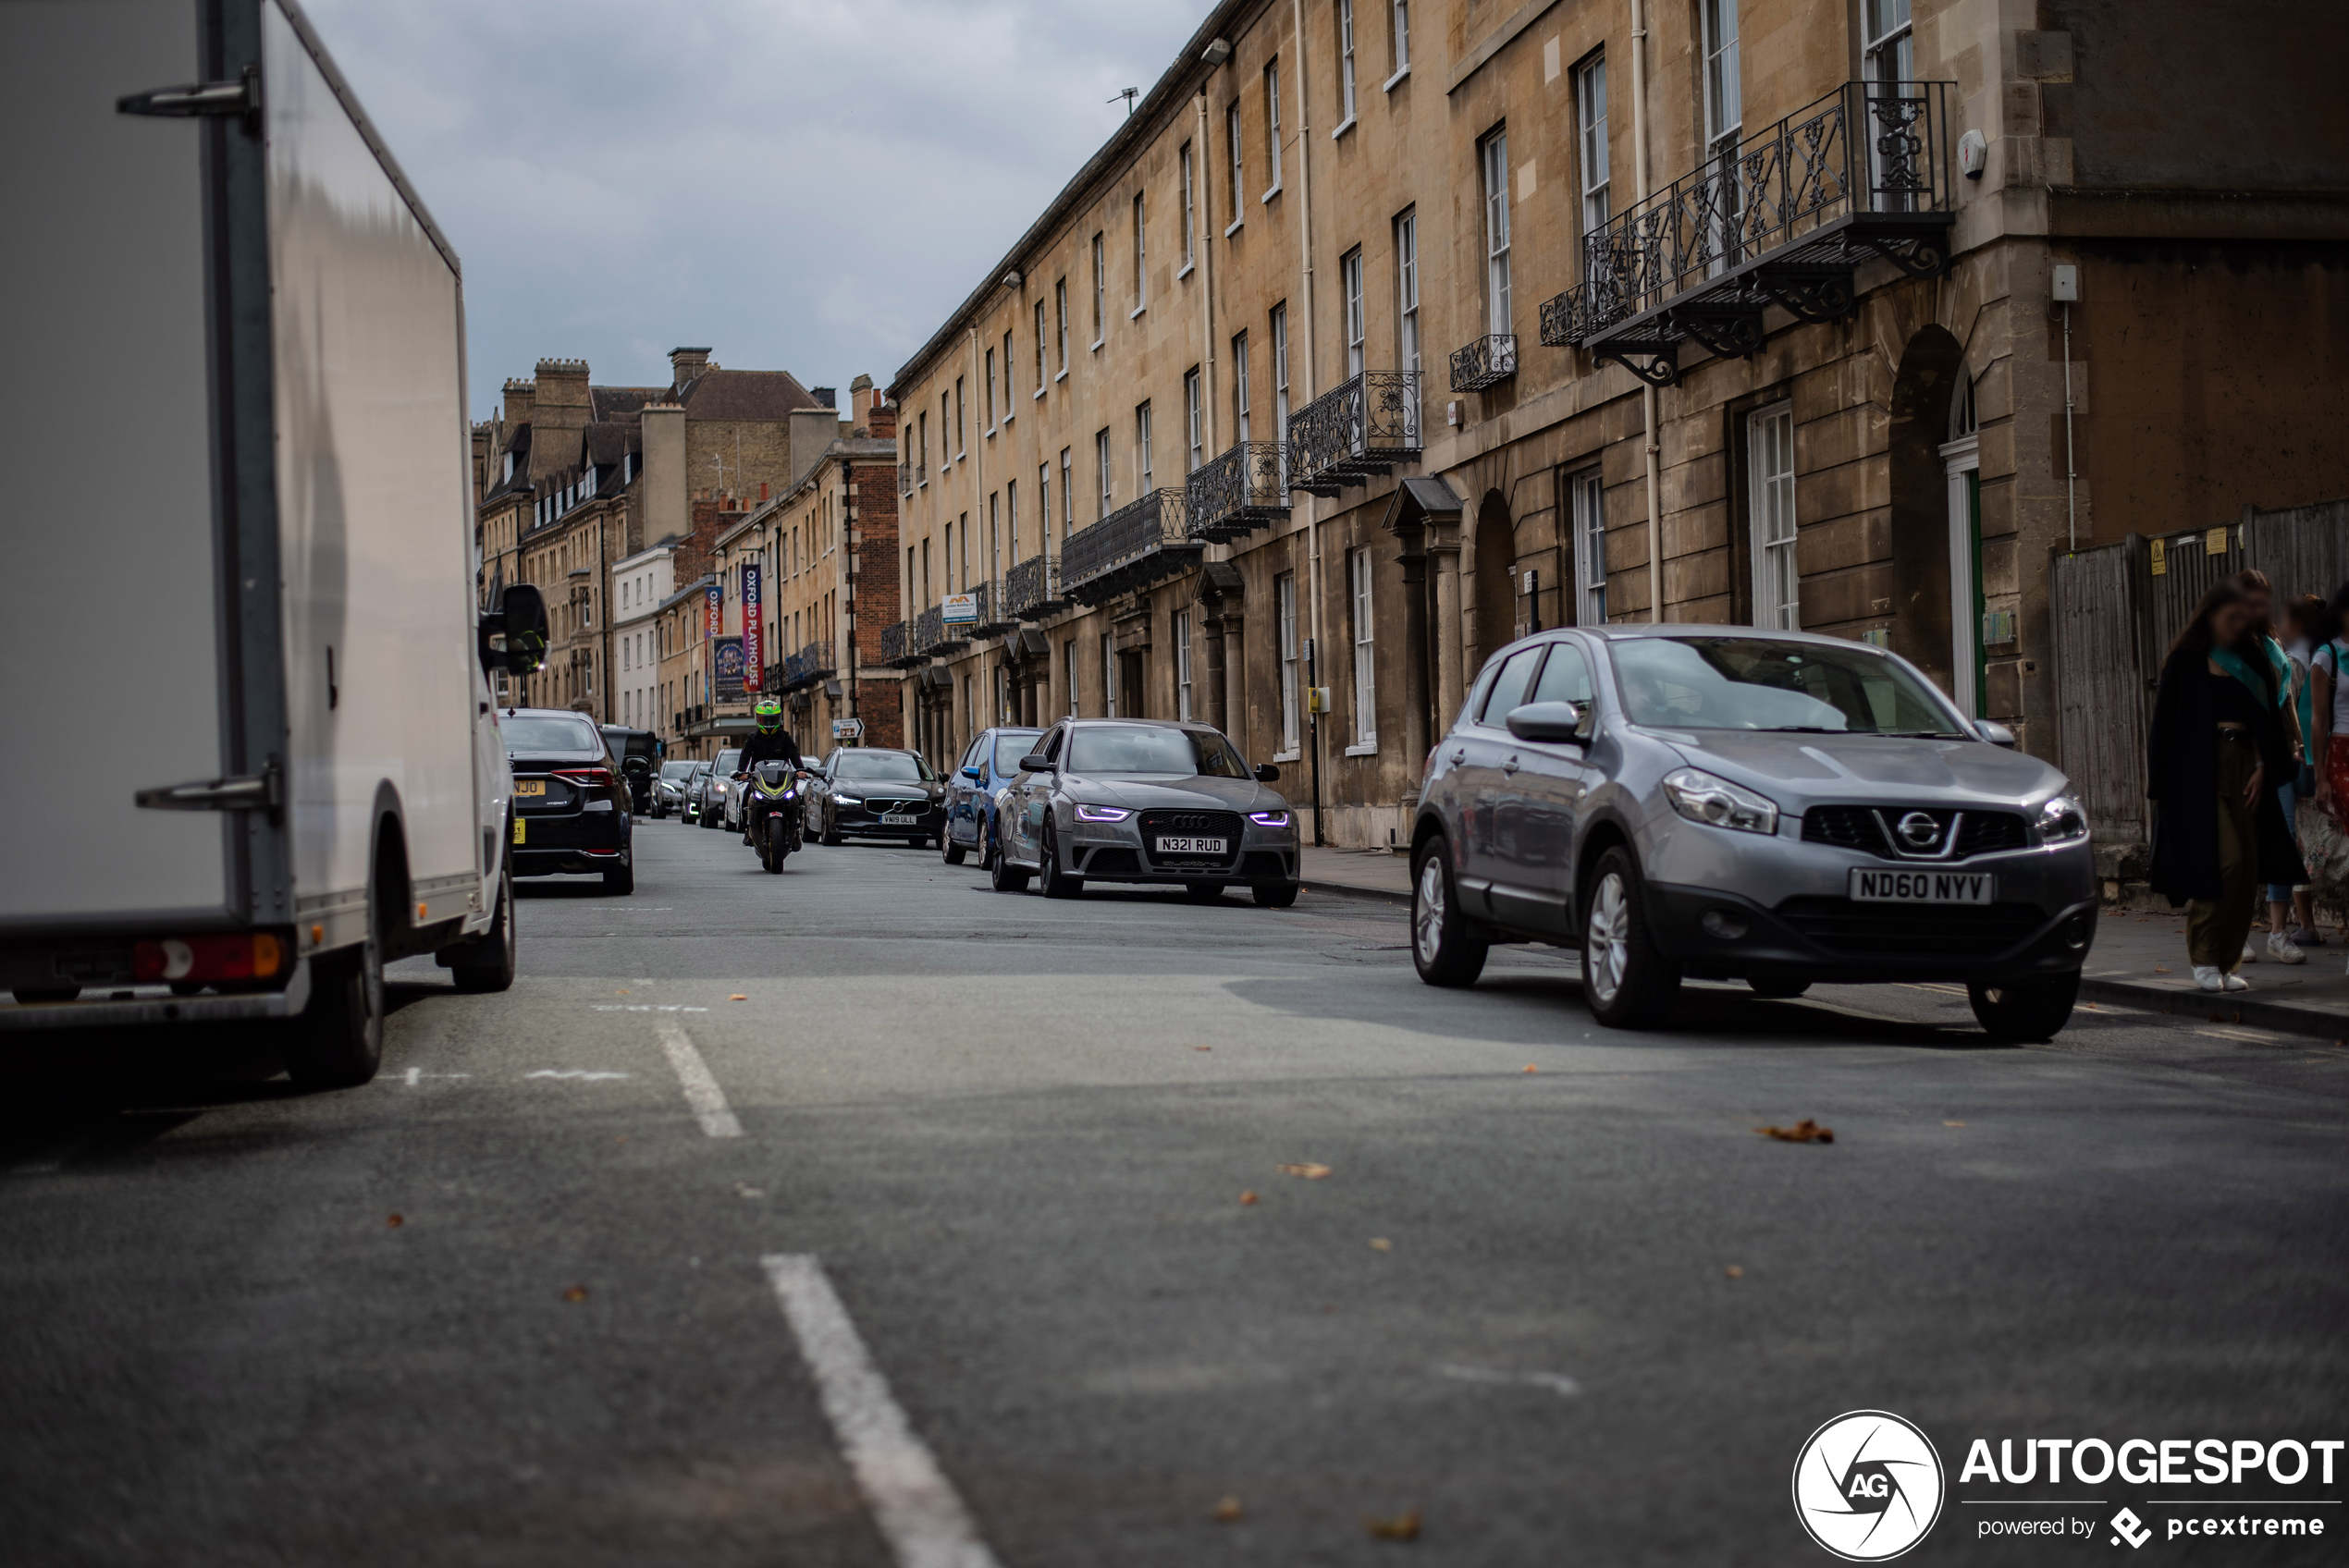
pixel 805 185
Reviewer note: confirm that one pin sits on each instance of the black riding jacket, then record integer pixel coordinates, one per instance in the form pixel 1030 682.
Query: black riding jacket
pixel 765 746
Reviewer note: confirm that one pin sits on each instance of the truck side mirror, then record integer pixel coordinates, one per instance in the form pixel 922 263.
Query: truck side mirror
pixel 513 636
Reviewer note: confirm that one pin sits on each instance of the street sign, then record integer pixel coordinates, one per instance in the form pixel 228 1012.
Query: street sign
pixel 848 729
pixel 959 609
pixel 753 628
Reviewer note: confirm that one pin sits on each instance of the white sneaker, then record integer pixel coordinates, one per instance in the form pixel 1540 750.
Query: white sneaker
pixel 2206 975
pixel 2283 949
pixel 2237 983
pixel 2250 953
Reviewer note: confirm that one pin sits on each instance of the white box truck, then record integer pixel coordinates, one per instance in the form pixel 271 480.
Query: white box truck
pixel 242 659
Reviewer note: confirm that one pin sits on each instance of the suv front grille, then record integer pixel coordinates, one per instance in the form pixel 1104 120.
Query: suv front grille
pixel 1863 828
pixel 1223 824
pixel 1926 931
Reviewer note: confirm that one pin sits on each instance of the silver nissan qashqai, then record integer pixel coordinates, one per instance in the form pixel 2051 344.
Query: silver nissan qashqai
pixel 1725 804
pixel 1129 800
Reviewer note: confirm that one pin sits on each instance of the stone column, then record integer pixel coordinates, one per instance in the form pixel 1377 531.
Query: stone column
pixel 1235 714
pixel 1444 547
pixel 1211 627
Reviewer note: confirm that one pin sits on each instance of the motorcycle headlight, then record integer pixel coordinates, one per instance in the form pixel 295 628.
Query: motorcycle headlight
pixel 2062 821
pixel 1102 813
pixel 1701 796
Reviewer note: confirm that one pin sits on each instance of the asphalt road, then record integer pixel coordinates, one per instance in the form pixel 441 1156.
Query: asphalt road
pixel 510 1305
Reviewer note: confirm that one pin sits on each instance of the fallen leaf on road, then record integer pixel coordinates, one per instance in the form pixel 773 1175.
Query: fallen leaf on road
pixel 1531 1068
pixel 619 993
pixel 1404 1526
pixel 746 1190
pixel 1734 1272
pixel 1202 1048
pixel 1310 1172
pixel 1248 1199
pixel 395 1222
pixel 1803 1132
pixel 738 997
pixel 1379 1243
pixel 576 1293
pixel 621 1139
pixel 1227 1511
pixel 1953 1124
pixel 2161 969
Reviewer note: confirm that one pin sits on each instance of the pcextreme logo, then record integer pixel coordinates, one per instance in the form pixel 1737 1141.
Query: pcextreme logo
pixel 1868 1486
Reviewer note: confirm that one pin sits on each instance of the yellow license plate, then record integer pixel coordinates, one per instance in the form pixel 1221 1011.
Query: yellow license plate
pixel 518 824
pixel 530 786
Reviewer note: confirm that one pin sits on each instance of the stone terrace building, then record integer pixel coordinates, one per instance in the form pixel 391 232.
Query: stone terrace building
pixel 1383 332
pixel 575 478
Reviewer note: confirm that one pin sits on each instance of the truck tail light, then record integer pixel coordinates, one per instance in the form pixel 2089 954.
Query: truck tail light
pixel 255 955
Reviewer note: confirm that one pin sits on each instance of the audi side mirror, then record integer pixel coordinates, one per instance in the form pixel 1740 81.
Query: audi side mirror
pixel 1546 723
pixel 1996 733
pixel 1267 774
pixel 1036 762
pixel 973 774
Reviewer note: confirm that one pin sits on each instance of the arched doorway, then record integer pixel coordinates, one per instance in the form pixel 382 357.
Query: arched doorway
pixel 1493 618
pixel 1936 540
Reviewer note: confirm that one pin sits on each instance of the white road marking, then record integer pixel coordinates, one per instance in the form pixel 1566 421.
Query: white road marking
pixel 1557 1382
pixel 916 1508
pixel 646 1007
pixel 587 1074
pixel 414 1074
pixel 702 1093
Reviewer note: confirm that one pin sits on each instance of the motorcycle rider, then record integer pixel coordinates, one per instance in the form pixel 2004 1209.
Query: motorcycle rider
pixel 769 742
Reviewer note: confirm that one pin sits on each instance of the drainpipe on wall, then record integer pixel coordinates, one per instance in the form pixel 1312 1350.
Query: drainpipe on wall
pixel 1647 393
pixel 1312 385
pixel 1202 204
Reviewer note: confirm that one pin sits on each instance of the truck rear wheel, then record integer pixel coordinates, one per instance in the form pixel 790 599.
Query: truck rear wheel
pixel 337 1042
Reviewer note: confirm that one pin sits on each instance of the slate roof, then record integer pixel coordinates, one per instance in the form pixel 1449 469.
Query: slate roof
pixel 745 395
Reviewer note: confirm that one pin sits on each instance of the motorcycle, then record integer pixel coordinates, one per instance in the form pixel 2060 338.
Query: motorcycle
pixel 771 811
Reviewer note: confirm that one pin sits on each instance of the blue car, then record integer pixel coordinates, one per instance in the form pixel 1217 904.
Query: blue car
pixel 992 762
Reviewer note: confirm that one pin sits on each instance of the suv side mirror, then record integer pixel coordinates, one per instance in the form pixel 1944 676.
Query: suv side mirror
pixel 1267 774
pixel 1036 762
pixel 1996 733
pixel 1546 722
pixel 513 636
pixel 973 774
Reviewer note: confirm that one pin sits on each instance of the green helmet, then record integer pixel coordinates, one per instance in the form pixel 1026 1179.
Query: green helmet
pixel 770 714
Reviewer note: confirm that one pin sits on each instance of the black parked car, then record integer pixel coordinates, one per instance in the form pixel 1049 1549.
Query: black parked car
pixel 571 806
pixel 638 754
pixel 868 792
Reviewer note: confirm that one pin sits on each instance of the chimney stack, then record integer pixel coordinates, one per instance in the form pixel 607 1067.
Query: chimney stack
pixel 685 364
pixel 827 396
pixel 519 395
pixel 869 411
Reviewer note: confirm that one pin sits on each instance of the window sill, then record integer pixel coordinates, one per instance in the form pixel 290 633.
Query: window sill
pixel 1343 127
pixel 1286 756
pixel 1189 268
pixel 989 434
pixel 1039 391
pixel 1097 344
pixel 1400 72
pixel 1135 313
pixel 1233 227
pixel 1367 748
pixel 1061 376
pixel 1008 417
pixel 1270 194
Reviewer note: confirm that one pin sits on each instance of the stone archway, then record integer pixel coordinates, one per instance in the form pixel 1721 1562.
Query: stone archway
pixel 1492 614
pixel 1930 370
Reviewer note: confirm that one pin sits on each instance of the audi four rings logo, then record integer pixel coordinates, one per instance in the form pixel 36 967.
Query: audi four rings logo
pixel 1919 831
pixel 1868 1485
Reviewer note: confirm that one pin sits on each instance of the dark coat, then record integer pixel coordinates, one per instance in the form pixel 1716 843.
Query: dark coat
pixel 2182 777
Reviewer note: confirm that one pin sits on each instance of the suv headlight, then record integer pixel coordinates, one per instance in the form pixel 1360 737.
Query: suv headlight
pixel 2061 820
pixel 1717 803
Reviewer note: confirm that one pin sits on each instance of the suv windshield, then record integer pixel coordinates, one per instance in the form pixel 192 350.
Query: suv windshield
pixel 1183 753
pixel 1758 683
pixel 728 760
pixel 678 770
pixel 883 764
pixel 550 735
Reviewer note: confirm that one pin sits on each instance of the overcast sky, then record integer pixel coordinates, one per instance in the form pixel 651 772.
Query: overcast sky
pixel 803 185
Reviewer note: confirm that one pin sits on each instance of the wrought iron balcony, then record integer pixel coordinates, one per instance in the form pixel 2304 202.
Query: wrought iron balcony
pixel 1132 547
pixel 1784 216
pixel 1032 589
pixel 1486 362
pixel 897 645
pixel 932 635
pixel 904 478
pixel 1361 427
pixel 811 664
pixel 993 614
pixel 1232 495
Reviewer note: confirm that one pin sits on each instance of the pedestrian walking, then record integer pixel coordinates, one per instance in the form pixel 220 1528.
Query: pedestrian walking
pixel 2218 738
pixel 2259 595
pixel 2329 746
pixel 2304 633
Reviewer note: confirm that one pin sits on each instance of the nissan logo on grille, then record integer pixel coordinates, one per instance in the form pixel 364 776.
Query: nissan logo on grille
pixel 1919 831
